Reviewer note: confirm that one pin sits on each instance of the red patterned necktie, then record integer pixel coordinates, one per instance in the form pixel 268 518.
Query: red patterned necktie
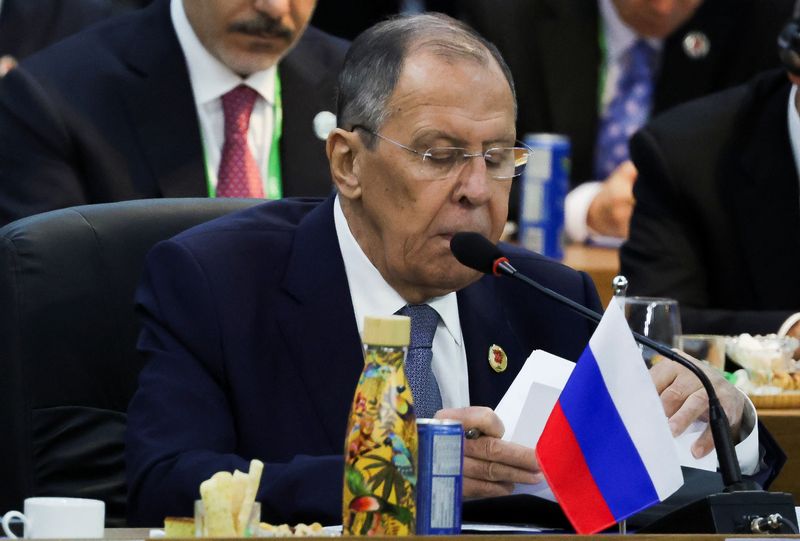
pixel 238 172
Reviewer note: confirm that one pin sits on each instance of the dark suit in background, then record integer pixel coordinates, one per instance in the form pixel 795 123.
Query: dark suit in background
pixel 348 18
pixel 109 115
pixel 254 352
pixel 27 26
pixel 553 50
pixel 717 218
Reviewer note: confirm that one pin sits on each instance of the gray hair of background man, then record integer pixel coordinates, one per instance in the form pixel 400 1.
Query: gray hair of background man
pixel 375 60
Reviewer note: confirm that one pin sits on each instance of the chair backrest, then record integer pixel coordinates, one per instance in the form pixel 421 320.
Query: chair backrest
pixel 68 362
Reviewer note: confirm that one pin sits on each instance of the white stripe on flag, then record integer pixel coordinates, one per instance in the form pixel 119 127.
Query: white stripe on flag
pixel 635 397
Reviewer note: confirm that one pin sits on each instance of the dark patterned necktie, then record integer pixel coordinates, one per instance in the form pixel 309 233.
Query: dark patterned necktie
pixel 628 110
pixel 238 172
pixel 427 398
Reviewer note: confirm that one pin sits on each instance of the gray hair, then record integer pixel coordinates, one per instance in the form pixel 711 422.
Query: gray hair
pixel 373 64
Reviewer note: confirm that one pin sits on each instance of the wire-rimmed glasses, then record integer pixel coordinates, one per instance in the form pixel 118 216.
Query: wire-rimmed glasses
pixel 502 163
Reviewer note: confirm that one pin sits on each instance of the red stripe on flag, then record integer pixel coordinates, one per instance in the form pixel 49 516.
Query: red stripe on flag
pixel 565 469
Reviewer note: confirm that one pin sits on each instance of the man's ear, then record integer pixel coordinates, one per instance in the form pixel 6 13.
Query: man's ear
pixel 342 148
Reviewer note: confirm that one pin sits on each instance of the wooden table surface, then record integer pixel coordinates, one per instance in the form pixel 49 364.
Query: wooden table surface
pixel 784 425
pixel 602 264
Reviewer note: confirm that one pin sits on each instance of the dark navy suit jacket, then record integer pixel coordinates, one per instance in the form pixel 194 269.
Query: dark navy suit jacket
pixel 27 26
pixel 109 115
pixel 254 352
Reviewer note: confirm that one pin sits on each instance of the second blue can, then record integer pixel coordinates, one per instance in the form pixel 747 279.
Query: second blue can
pixel 544 187
pixel 440 479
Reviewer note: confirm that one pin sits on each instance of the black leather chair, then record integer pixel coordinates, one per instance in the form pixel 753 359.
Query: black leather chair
pixel 68 363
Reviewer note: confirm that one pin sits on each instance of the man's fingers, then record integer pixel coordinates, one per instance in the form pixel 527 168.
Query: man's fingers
pixel 504 452
pixel 477 488
pixel 496 472
pixel 704 444
pixel 482 418
pixel 692 408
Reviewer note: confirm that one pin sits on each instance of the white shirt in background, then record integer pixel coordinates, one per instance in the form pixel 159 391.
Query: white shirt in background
pixel 618 39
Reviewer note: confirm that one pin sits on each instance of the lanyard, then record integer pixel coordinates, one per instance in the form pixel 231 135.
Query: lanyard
pixel 603 67
pixel 274 186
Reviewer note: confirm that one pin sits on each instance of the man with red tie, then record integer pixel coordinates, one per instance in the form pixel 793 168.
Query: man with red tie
pixel 181 99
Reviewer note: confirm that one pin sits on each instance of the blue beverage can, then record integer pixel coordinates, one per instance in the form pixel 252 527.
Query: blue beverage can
pixel 440 476
pixel 544 187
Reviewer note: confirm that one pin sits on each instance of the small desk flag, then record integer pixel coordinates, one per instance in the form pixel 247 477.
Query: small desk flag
pixel 606 450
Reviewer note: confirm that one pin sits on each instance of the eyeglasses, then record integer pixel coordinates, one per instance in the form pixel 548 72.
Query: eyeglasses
pixel 441 162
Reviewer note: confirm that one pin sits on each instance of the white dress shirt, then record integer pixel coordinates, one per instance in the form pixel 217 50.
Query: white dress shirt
pixel 375 297
pixel 210 80
pixel 618 39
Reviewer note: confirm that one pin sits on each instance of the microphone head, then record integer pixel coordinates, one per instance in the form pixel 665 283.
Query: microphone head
pixel 475 251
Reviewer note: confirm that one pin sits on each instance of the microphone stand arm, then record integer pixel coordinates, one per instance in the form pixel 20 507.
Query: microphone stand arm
pixel 728 463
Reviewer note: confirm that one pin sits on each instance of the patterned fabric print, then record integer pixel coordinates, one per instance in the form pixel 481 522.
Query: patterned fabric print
pixel 238 171
pixel 628 110
pixel 427 397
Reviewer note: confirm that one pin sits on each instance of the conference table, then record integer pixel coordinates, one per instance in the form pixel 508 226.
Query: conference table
pixel 141 533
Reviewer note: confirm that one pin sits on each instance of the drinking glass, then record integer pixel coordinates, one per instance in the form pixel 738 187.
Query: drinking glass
pixel 706 347
pixel 654 317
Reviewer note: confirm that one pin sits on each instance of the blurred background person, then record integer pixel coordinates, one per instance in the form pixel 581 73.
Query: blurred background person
pixel 348 18
pixel 596 70
pixel 27 26
pixel 717 218
pixel 187 98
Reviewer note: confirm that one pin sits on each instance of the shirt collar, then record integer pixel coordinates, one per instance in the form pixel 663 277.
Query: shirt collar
pixel 211 78
pixel 374 296
pixel 619 36
pixel 794 128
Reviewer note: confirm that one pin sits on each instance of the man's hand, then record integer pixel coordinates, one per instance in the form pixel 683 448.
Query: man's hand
pixel 491 465
pixel 610 211
pixel 685 400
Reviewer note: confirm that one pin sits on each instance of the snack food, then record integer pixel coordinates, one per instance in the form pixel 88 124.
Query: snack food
pixel 284 530
pixel 228 501
pixel 178 527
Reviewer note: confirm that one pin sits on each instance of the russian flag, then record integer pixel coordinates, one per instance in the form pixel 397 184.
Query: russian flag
pixel 606 449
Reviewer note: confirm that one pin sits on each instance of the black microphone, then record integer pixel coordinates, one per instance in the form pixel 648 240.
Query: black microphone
pixel 475 251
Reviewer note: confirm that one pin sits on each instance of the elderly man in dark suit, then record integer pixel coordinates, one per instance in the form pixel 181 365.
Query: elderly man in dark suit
pixel 569 59
pixel 252 322
pixel 717 218
pixel 155 104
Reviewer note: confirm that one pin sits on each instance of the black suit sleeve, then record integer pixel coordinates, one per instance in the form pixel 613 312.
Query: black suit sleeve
pixel 181 425
pixel 663 256
pixel 37 171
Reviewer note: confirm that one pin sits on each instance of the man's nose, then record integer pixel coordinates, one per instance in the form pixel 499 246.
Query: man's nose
pixel 474 183
pixel 276 9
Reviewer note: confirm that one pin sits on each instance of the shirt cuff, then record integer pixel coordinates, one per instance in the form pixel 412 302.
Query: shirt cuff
pixel 576 210
pixel 747 449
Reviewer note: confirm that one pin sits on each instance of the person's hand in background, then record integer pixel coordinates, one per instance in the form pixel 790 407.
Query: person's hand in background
pixel 610 211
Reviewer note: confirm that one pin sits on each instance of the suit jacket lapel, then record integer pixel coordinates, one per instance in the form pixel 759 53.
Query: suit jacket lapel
pixel 159 98
pixel 484 323
pixel 762 187
pixel 302 91
pixel 328 354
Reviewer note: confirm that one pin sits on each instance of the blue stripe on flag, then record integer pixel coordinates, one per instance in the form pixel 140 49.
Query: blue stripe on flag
pixel 607 447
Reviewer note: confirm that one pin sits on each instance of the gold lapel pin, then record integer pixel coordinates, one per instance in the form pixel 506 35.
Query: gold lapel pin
pixel 498 359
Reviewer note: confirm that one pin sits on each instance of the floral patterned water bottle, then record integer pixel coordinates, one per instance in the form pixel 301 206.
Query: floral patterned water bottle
pixel 380 455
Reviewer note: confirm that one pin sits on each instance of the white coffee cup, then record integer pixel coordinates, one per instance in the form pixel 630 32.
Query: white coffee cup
pixel 59 517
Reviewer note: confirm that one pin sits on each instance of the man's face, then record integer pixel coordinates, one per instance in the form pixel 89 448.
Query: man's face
pixel 248 35
pixel 655 18
pixel 404 219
